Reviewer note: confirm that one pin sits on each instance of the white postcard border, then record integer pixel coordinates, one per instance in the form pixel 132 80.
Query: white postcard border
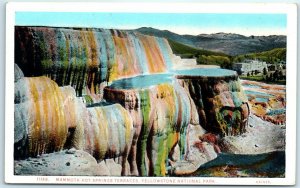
pixel 289 9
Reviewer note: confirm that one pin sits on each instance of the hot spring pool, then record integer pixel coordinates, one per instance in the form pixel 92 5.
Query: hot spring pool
pixel 142 81
pixel 259 99
pixel 252 86
pixel 206 72
pixel 256 93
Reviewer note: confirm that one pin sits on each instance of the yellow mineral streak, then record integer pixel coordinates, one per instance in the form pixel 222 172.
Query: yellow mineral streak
pixel 103 132
pixel 47 122
pixel 108 125
pixel 128 124
pixel 166 94
pixel 34 119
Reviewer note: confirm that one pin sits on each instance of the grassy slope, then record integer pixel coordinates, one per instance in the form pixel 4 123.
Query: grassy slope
pixel 276 52
pixel 271 56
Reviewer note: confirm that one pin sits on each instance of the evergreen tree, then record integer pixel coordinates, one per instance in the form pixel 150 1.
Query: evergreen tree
pixel 265 72
pixel 280 75
pixel 275 75
pixel 271 77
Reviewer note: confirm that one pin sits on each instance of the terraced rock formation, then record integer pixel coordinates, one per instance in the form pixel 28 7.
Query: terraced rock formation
pixel 117 96
pixel 161 112
pixel 267 101
pixel 221 103
pixel 88 58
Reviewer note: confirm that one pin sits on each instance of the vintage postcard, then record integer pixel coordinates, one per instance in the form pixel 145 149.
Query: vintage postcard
pixel 151 93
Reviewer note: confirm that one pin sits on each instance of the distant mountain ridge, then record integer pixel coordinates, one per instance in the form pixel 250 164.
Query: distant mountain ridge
pixel 228 43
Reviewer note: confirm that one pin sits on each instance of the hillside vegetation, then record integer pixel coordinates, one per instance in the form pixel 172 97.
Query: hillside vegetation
pixel 272 56
pixel 202 56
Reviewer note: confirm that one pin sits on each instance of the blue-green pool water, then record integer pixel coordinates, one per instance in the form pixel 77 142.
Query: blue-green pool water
pixel 259 99
pixel 276 111
pixel 209 72
pixel 251 86
pixel 248 92
pixel 142 81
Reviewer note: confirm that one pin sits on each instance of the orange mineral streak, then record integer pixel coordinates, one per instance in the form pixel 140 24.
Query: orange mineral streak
pixel 47 122
pixel 122 57
pixel 259 109
pixel 94 60
pixel 93 63
pixel 125 59
pixel 92 46
pixel 154 57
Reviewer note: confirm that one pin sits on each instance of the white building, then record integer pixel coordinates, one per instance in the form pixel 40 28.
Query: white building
pixel 248 65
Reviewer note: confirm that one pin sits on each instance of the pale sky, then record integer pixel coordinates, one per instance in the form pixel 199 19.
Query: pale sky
pixel 181 23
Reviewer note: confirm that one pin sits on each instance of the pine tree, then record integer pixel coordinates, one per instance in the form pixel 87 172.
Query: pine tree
pixel 265 72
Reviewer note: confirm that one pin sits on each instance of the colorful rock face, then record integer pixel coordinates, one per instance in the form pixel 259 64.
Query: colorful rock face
pixel 148 122
pixel 85 58
pixel 219 97
pixel 49 118
pixel 161 112
pixel 108 134
pixel 267 101
pixel 41 122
